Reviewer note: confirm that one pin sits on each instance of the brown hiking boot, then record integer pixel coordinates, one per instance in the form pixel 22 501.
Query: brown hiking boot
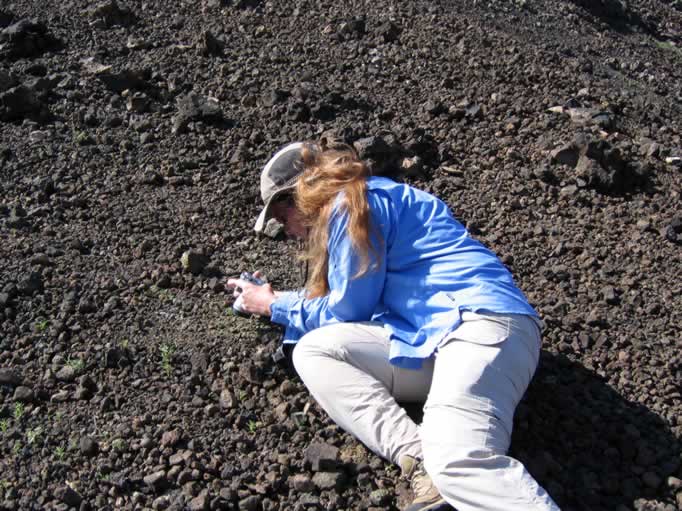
pixel 425 494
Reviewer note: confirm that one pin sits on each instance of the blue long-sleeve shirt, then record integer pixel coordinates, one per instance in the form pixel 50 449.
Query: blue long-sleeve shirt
pixel 428 272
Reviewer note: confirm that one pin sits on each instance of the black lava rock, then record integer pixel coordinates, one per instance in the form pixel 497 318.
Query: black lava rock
pixel 88 446
pixel 25 39
pixel 30 283
pixel 20 102
pixel 9 376
pixel 194 107
pixel 322 457
pixel 109 14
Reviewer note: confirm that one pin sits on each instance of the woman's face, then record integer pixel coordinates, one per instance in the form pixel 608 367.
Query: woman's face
pixel 284 211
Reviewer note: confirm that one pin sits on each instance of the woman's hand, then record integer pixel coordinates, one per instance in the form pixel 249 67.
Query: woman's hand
pixel 255 299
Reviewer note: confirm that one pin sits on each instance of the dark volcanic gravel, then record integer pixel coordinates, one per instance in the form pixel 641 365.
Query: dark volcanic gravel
pixel 131 139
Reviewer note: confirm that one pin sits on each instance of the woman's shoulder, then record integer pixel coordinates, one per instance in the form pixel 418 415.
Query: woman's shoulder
pixel 381 182
pixel 383 189
pixel 400 192
pixel 387 186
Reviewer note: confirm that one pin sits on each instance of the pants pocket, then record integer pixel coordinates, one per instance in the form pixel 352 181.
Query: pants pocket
pixel 487 330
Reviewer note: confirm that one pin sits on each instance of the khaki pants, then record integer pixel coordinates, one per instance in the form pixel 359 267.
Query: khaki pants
pixel 471 388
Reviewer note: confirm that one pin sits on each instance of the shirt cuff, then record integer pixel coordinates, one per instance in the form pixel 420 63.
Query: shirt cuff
pixel 279 309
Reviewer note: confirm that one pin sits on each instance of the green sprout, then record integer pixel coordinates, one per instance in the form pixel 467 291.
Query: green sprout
pixel 167 352
pixel 5 485
pixel 4 425
pixel 18 411
pixel 253 426
pixel 76 363
pixel 82 138
pixel 667 45
pixel 60 453
pixel 118 444
pixel 33 434
pixel 17 447
pixel 125 343
pixel 41 326
pixel 300 418
pixel 165 295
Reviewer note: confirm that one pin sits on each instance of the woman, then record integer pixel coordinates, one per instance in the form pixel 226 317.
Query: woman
pixel 401 304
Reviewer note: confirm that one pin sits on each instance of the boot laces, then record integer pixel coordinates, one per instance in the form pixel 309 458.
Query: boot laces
pixel 421 482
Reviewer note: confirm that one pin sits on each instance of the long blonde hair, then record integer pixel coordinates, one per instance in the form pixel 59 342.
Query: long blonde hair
pixel 326 174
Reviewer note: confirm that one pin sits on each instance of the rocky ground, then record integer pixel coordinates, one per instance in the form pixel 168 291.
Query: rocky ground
pixel 131 139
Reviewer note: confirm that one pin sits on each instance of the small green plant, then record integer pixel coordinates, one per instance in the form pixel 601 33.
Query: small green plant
pixel 4 486
pixel 167 352
pixel 16 448
pixel 58 416
pixel 4 425
pixel 82 138
pixel 668 46
pixel 60 452
pixel 253 426
pixel 18 411
pixel 76 363
pixel 33 434
pixel 300 418
pixel 118 444
pixel 165 295
pixel 124 343
pixel 41 326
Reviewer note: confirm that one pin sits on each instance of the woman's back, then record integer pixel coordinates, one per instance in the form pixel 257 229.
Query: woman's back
pixel 434 270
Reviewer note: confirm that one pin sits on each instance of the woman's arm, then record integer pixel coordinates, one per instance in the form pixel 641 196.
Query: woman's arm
pixel 349 298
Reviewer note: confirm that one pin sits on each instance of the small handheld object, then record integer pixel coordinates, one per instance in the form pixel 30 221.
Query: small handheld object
pixel 237 305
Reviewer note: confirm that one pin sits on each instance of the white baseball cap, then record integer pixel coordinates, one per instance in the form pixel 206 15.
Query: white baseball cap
pixel 279 176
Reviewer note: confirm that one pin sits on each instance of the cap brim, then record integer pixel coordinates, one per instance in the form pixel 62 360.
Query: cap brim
pixel 265 213
pixel 260 222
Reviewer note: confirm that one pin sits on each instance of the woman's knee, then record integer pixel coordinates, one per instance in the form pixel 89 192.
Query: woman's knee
pixel 478 432
pixel 306 350
pixel 460 438
pixel 316 347
pixel 445 465
pixel 349 342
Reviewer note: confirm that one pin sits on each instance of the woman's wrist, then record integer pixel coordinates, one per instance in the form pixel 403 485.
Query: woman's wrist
pixel 268 306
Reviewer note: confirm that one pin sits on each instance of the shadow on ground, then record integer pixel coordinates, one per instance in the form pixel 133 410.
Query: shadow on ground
pixel 614 13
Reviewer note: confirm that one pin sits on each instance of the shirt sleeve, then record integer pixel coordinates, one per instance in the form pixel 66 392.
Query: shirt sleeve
pixel 350 298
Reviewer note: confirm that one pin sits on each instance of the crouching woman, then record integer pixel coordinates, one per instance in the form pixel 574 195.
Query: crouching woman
pixel 402 305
